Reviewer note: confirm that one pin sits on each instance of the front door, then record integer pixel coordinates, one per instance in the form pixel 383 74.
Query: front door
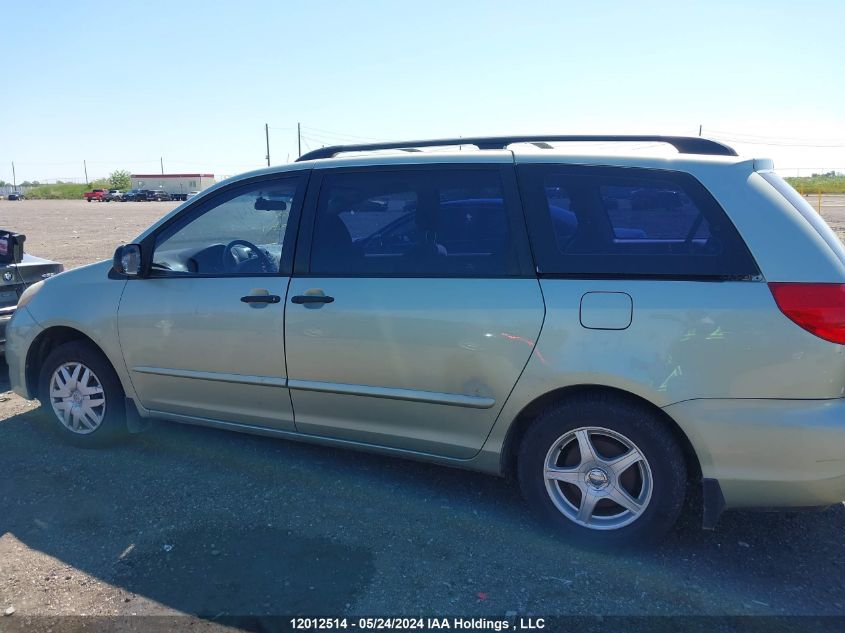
pixel 203 335
pixel 414 310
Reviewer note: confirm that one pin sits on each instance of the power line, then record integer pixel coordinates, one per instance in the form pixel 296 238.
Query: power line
pixel 754 139
pixel 776 138
pixel 776 144
pixel 334 134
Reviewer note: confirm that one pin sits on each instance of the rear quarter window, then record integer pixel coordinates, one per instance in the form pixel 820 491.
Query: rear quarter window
pixel 805 209
pixel 629 222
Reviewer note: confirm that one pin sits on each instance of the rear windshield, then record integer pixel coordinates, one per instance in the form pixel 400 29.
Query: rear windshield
pixel 810 214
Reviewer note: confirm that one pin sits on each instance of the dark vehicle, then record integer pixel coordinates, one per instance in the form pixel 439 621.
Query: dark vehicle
pixel 129 196
pixel 17 271
pixel 159 196
pixel 17 196
pixel 142 195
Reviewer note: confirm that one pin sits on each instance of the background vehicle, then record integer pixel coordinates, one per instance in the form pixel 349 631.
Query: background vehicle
pixel 159 196
pixel 95 194
pixel 191 194
pixel 129 196
pixel 142 195
pixel 16 196
pixel 113 195
pixel 18 270
pixel 610 329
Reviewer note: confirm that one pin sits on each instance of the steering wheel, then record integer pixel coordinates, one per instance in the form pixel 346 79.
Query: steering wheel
pixel 232 261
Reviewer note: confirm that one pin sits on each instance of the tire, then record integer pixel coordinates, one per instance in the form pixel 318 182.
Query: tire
pixel 95 424
pixel 614 427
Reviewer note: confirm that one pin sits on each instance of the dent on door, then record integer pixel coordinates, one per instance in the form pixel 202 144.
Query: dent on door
pixel 416 364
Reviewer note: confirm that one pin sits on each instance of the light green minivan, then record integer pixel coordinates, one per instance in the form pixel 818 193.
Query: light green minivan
pixel 610 329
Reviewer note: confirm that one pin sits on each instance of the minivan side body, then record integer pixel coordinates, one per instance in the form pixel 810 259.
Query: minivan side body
pixel 452 364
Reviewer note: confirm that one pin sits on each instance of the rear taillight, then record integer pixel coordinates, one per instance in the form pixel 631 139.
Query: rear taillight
pixel 818 308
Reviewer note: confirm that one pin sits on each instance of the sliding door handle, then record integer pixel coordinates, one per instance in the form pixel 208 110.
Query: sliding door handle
pixel 306 299
pixel 261 299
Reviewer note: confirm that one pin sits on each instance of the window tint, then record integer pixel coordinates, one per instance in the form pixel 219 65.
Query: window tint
pixel 653 212
pixel 413 222
pixel 237 233
pixel 627 221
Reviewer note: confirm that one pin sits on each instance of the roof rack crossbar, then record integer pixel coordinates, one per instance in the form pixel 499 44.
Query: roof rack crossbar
pixel 684 144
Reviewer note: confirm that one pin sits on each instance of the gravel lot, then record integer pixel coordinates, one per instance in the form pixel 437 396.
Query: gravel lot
pixel 76 232
pixel 190 520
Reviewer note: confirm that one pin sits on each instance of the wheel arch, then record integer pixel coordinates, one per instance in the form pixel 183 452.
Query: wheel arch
pixel 45 343
pixel 519 426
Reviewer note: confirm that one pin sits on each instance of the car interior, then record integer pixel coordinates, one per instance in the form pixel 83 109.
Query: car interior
pixel 216 243
pixel 411 228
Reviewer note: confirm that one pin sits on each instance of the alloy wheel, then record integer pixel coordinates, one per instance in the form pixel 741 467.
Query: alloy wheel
pixel 598 478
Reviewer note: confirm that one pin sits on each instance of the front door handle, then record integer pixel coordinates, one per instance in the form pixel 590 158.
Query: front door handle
pixel 311 299
pixel 261 299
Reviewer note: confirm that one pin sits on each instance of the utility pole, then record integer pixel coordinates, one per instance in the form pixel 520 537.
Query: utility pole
pixel 85 167
pixel 14 179
pixel 699 129
pixel 161 161
pixel 267 140
pixel 298 141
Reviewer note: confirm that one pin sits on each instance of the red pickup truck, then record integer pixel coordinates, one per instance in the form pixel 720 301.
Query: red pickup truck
pixel 95 194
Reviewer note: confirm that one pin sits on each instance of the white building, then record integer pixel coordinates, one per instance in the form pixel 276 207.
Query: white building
pixel 179 184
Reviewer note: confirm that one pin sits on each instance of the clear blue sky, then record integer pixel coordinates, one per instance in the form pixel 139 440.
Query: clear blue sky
pixel 122 83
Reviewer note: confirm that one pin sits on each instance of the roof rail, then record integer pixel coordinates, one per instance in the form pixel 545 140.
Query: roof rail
pixel 684 144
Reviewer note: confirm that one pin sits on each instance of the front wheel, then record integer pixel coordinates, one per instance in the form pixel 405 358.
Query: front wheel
pixel 603 471
pixel 82 393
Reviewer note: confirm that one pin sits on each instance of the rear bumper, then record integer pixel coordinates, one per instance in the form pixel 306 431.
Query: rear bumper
pixel 769 453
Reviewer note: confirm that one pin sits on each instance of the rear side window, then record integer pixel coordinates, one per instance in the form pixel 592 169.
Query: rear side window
pixel 805 209
pixel 629 222
pixel 438 222
pixel 654 213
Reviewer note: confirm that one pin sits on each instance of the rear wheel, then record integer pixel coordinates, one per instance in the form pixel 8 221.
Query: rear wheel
pixel 80 390
pixel 603 471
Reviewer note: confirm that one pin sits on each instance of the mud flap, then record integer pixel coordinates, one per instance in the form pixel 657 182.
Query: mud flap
pixel 714 503
pixel 134 422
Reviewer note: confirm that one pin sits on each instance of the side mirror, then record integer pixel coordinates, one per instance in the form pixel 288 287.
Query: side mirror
pixel 127 260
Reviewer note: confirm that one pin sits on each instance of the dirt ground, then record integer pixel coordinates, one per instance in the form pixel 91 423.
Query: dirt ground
pixel 198 521
pixel 76 232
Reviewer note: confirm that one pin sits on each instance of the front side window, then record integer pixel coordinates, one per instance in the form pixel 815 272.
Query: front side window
pixel 241 232
pixel 629 222
pixel 413 222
